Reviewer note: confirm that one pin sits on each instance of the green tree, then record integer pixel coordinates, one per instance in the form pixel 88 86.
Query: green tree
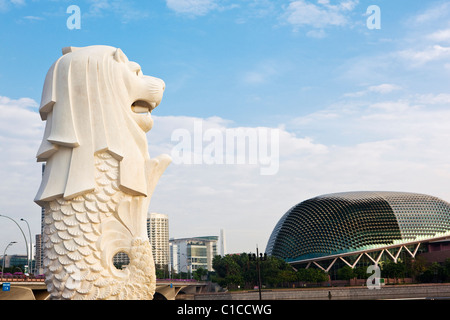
pixel 240 270
pixel 234 280
pixel 219 267
pixel 285 277
pixel 228 270
pixel 418 267
pixel 437 270
pixel 319 276
pixel 446 271
pixel 276 272
pixel 200 273
pixel 302 275
pixel 393 270
pixel 361 272
pixel 159 273
pixel 312 275
pixel 346 273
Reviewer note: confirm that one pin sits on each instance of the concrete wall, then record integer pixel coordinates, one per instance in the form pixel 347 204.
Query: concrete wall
pixel 347 293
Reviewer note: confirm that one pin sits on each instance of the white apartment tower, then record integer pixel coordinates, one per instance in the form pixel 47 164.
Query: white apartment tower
pixel 158 233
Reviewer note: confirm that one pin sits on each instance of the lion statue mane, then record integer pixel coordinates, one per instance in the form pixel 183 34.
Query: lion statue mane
pixel 98 177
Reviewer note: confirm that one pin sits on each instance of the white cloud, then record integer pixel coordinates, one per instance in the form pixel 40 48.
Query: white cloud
pixel 433 99
pixel 5 5
pixel 33 18
pixel 21 131
pixel 253 77
pixel 384 88
pixel 126 10
pixel 301 13
pixel 318 34
pixel 433 14
pixel 228 196
pixel 440 35
pixel 192 7
pixel 262 73
pixel 389 111
pixel 429 36
pixel 18 118
pixel 260 8
pixel 348 5
pixel 420 57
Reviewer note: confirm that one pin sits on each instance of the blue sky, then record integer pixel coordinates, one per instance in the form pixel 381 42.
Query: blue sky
pixel 357 109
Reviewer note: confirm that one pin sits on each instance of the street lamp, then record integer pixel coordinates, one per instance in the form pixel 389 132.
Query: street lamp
pixel 30 262
pixel 258 258
pixel 188 266
pixel 188 276
pixel 168 262
pixel 4 253
pixel 26 242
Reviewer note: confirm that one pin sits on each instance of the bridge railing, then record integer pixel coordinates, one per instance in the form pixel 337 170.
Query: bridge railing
pixel 176 280
pixel 8 277
pixel 20 277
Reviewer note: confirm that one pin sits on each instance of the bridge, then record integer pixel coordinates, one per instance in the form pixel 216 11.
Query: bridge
pixel 166 289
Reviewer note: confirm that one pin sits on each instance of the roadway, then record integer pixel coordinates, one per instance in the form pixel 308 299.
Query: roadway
pixel 166 289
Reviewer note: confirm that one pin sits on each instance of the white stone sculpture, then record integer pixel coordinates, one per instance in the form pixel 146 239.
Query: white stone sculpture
pixel 99 177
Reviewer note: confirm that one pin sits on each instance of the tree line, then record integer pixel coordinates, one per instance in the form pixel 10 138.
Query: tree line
pixel 240 271
pixel 418 269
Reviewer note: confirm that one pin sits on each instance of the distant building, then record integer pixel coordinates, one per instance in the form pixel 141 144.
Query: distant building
pixel 190 254
pixel 121 259
pixel 223 246
pixel 39 255
pixel 174 257
pixel 17 260
pixel 158 233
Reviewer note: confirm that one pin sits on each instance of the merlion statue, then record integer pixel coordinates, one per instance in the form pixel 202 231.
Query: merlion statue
pixel 98 177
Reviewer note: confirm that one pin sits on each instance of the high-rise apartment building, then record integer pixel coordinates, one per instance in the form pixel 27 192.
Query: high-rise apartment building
pixel 158 233
pixel 39 255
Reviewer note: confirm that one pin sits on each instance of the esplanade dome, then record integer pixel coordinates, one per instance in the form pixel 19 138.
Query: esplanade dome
pixel 352 221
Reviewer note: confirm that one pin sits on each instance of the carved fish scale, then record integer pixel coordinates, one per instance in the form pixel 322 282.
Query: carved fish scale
pixel 78 253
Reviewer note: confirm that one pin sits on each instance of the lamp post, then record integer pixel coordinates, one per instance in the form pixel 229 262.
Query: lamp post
pixel 30 262
pixel 4 253
pixel 258 257
pixel 168 262
pixel 26 242
pixel 187 266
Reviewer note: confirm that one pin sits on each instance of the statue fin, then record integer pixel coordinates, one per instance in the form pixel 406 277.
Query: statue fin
pixel 66 50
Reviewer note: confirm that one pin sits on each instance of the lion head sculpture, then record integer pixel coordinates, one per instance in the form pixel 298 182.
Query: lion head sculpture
pixel 95 100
